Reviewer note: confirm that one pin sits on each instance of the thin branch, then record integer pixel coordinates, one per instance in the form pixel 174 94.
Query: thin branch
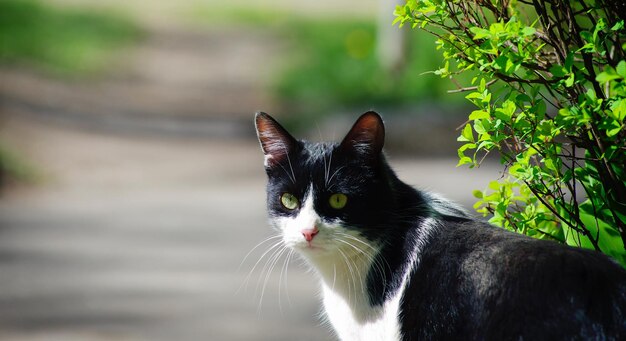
pixel 471 88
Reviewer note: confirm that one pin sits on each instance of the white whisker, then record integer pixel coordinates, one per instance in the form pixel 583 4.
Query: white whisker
pixel 335 173
pixel 272 263
pixel 256 247
pixel 334 276
pixel 376 264
pixel 293 180
pixel 352 275
pixel 330 162
pixel 280 280
pixel 290 166
pixel 247 279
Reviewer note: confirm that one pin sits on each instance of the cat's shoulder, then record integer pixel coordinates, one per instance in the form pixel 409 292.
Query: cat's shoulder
pixel 474 274
pixel 468 250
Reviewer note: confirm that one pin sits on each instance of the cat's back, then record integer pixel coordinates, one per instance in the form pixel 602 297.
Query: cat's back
pixel 475 281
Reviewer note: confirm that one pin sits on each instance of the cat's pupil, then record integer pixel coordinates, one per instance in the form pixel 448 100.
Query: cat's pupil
pixel 338 200
pixel 289 201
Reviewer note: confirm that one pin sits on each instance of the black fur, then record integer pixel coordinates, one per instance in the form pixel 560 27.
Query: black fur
pixel 471 281
pixel 477 282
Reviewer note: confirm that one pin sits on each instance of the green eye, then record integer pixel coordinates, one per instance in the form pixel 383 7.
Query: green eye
pixel 338 201
pixel 289 201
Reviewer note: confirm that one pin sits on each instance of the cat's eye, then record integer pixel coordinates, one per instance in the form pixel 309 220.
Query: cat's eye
pixel 338 201
pixel 289 201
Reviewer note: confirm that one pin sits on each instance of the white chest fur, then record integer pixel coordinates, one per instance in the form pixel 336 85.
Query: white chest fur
pixel 359 321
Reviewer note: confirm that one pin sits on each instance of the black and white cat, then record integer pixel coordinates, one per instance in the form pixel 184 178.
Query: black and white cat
pixel 399 264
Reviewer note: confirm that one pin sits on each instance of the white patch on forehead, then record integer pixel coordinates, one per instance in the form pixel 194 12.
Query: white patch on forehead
pixel 307 203
pixel 307 218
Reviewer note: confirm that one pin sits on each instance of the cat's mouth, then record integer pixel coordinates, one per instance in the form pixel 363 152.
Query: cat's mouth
pixel 309 246
pixel 313 246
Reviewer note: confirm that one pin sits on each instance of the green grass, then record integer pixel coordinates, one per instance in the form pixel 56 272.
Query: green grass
pixel 336 63
pixel 335 68
pixel 61 40
pixel 331 65
pixel 14 169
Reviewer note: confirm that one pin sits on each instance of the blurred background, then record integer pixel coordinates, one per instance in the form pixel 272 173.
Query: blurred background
pixel 132 201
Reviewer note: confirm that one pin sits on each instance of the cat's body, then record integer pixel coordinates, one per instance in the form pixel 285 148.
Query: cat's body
pixel 399 264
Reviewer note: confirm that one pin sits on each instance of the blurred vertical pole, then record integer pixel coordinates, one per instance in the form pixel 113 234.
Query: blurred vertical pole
pixel 392 42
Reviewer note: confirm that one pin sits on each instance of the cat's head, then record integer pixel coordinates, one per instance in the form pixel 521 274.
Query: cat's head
pixel 327 197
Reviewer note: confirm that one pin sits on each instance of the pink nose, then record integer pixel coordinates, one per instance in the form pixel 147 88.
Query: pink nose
pixel 310 233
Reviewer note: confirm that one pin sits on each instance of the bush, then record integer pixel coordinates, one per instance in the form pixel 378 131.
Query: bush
pixel 549 84
pixel 335 65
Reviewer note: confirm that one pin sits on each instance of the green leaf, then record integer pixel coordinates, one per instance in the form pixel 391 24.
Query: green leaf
pixel 464 160
pixel 479 127
pixel 467 133
pixel 567 177
pixel 611 126
pixel 621 69
pixel 605 77
pixel 570 80
pixel 587 36
pixel 569 61
pixel 473 95
pixel 549 164
pixel 589 47
pixel 465 147
pixel 478 114
pixel 528 31
pixel 609 240
pixel 600 26
pixel 506 111
pixel 480 33
pixel 521 98
pixel 618 110
pixel 613 131
pixel 486 144
pixel 500 63
pixel 558 71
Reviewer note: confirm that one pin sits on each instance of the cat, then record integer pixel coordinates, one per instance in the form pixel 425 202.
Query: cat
pixel 396 263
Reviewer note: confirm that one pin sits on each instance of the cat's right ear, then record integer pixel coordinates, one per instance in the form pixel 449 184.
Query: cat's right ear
pixel 275 141
pixel 366 137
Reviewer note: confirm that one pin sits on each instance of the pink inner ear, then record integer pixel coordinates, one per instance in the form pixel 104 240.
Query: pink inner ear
pixel 369 127
pixel 275 140
pixel 367 134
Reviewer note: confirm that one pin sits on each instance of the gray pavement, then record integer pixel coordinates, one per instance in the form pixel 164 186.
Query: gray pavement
pixel 139 240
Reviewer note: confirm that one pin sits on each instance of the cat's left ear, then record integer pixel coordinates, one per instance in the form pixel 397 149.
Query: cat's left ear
pixel 367 135
pixel 276 142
